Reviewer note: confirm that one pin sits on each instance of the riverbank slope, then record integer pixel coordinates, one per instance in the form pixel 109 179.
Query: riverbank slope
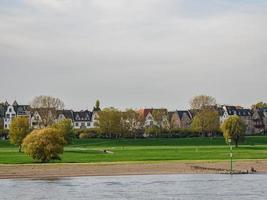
pixel 43 171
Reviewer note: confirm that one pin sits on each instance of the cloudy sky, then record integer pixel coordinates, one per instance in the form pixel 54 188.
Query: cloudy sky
pixel 141 53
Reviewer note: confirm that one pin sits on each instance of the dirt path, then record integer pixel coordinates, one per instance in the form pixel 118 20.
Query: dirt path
pixel 71 170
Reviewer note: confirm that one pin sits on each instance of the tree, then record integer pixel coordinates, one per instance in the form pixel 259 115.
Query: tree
pixel 152 131
pixel 109 122
pixel 19 129
pixel 44 144
pixel 97 106
pixel 259 105
pixel 233 128
pixel 47 107
pixel 202 101
pixel 206 121
pixel 131 123
pixel 66 128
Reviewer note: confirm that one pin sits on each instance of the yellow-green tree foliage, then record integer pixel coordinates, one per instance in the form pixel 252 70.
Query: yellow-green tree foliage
pixel 66 129
pixel 44 144
pixel 19 129
pixel 259 105
pixel 109 122
pixel 233 128
pixel 206 121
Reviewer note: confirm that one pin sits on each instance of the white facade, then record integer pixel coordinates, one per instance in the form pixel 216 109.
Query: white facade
pixel 9 115
pixel 82 124
pixel 36 120
pixel 149 120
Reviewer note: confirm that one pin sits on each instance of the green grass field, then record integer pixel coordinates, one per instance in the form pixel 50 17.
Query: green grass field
pixel 127 150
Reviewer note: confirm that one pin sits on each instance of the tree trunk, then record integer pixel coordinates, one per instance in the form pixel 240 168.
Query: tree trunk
pixel 236 141
pixel 19 148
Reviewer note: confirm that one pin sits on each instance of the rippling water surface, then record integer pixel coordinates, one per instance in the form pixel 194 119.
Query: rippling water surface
pixel 185 187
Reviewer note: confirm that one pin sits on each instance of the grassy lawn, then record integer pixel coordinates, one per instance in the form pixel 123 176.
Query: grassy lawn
pixel 91 150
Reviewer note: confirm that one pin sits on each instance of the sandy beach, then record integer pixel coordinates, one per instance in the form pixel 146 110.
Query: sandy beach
pixel 41 171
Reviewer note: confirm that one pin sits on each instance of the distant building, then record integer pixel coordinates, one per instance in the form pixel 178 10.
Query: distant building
pixel 38 117
pixel 82 119
pixel 14 110
pixel 181 119
pixel 244 114
pixel 155 117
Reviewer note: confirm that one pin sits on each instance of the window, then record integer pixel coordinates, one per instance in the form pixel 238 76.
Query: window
pixel 83 124
pixel 13 115
pixel 10 110
pixel 76 124
pixel 5 125
pixel 8 116
pixel 88 123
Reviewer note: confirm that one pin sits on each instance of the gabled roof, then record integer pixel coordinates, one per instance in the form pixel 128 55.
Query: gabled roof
pixel 170 114
pixel 22 109
pixel 6 104
pixel 15 103
pixel 144 112
pixel 82 115
pixel 68 114
pixel 184 112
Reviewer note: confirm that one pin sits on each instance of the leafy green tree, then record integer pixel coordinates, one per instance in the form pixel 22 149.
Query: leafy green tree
pixel 161 118
pixel 19 129
pixel 206 121
pixel 109 122
pixel 152 131
pixel 66 128
pixel 233 128
pixel 44 144
pixel 131 123
pixel 259 105
pixel 97 106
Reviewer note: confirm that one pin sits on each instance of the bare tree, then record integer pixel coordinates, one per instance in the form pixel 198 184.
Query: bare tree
pixel 202 101
pixel 47 107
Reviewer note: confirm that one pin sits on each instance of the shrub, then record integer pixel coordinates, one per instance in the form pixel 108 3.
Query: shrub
pixel 66 129
pixel 84 136
pixel 183 132
pixel 44 145
pixel 91 133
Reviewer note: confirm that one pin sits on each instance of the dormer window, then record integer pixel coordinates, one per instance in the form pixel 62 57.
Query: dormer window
pixel 10 110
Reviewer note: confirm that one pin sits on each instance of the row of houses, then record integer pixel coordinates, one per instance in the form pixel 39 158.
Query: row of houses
pixel 80 119
pixel 255 119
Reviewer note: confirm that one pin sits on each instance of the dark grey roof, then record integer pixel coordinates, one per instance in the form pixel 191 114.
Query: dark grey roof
pixel 182 112
pixel 22 109
pixel 82 116
pixel 68 114
pixel 233 110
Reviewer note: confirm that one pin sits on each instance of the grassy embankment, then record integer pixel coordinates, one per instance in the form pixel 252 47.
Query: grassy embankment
pixel 91 150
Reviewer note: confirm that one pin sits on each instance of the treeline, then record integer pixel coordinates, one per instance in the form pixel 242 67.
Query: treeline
pixel 149 132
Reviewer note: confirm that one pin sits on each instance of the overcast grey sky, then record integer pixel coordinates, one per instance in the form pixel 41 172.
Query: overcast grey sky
pixel 141 53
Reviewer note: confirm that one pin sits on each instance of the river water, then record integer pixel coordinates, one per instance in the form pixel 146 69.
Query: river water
pixel 182 186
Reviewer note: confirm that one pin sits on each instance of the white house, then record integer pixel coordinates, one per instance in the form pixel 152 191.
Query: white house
pixel 82 119
pixel 9 115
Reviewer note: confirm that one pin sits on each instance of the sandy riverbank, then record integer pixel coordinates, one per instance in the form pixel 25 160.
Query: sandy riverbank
pixel 39 171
